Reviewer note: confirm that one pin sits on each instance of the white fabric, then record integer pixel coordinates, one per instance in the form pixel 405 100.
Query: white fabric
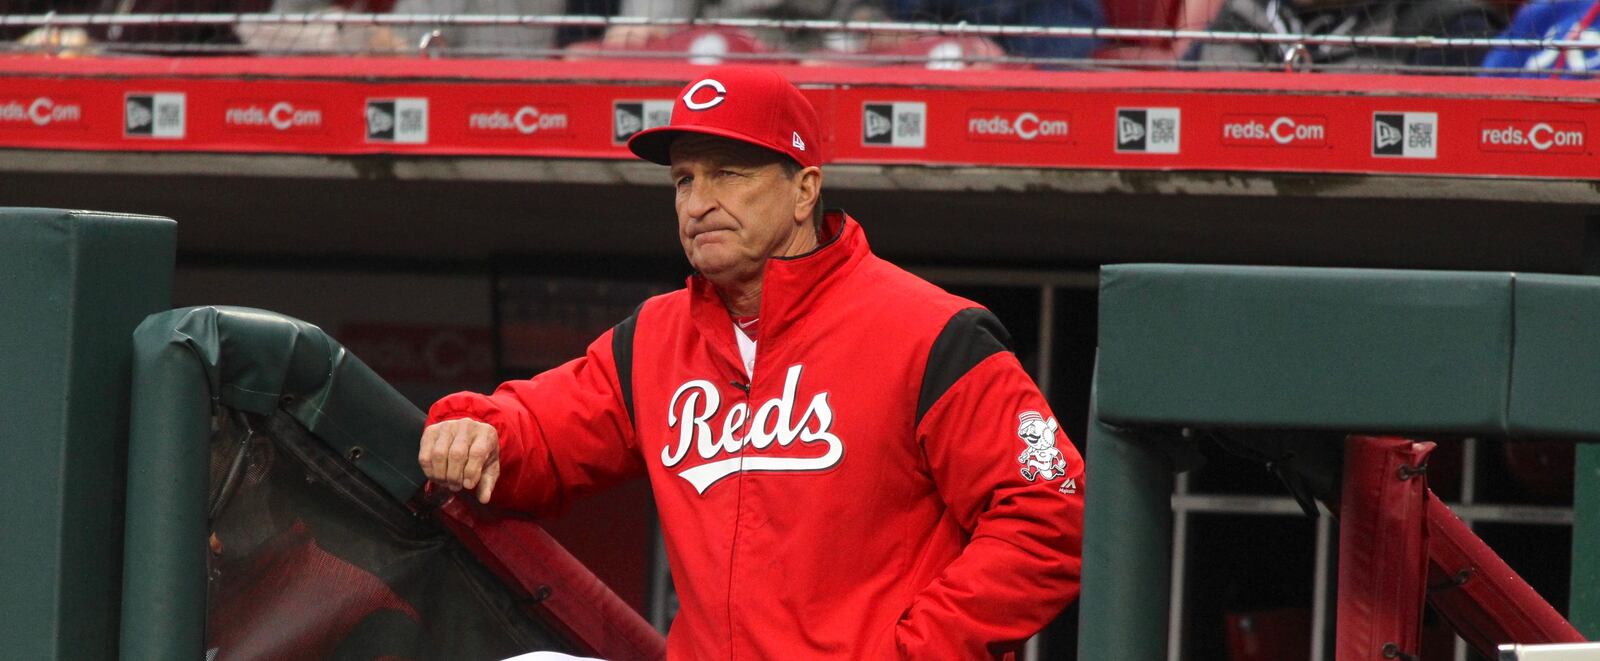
pixel 551 656
pixel 747 350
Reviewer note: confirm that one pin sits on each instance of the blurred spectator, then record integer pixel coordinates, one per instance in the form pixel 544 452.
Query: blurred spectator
pixel 635 37
pixel 1082 13
pixel 512 37
pixel 321 37
pixel 1356 18
pixel 1075 13
pixel 280 38
pixel 162 34
pixel 1550 19
pixel 569 34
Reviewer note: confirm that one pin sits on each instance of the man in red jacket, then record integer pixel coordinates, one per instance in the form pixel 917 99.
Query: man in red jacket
pixel 847 461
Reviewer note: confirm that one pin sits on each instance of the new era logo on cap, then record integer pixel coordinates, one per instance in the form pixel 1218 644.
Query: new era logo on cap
pixel 749 104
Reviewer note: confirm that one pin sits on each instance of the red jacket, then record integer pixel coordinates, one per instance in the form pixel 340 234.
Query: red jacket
pixel 889 483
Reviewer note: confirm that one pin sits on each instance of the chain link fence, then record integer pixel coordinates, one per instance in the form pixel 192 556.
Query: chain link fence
pixel 1539 38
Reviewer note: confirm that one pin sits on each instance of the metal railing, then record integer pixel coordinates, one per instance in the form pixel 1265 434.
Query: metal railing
pixel 1293 45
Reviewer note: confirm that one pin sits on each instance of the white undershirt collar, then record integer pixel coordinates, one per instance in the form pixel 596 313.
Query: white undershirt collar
pixel 747 350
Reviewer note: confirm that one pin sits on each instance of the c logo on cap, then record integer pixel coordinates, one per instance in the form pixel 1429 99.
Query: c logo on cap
pixel 688 97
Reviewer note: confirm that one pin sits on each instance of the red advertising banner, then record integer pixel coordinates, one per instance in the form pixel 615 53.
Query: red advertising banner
pixel 1159 121
pixel 430 353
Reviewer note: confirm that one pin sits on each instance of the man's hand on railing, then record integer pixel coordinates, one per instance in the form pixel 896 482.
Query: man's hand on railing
pixel 461 454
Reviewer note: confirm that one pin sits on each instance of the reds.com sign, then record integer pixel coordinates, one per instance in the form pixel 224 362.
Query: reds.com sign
pixel 1018 125
pixel 1274 130
pixel 524 120
pixel 1156 121
pixel 1530 136
pixel 273 116
pixel 40 111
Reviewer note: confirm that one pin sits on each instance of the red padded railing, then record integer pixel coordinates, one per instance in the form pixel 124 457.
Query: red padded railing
pixel 527 558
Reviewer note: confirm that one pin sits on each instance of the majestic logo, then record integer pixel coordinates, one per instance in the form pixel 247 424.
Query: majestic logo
pixel 1271 131
pixel 1040 459
pixel 281 116
pixel 42 111
pixel 1526 135
pixel 1011 125
pixel 718 94
pixel 630 117
pixel 526 120
pixel 1405 134
pixel 696 403
pixel 898 124
pixel 397 120
pixel 1148 130
pixel 153 116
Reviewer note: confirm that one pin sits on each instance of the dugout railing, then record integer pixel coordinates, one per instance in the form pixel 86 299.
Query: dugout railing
pixel 232 483
pixel 1292 366
pixel 289 467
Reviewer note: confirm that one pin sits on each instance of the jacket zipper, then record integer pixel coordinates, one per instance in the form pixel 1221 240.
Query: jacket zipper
pixel 738 504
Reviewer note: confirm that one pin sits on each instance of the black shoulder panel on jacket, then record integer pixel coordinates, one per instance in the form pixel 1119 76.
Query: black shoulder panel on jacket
pixel 622 353
pixel 970 336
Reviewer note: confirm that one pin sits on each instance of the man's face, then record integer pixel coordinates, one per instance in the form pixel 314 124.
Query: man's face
pixel 736 205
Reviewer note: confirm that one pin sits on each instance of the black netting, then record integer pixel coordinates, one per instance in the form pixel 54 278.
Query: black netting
pixel 311 560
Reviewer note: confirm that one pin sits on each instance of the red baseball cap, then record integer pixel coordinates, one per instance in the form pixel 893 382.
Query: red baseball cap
pixel 748 104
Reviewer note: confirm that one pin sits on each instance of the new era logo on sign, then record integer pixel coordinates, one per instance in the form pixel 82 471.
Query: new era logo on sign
pixel 878 124
pixel 153 116
pixel 630 117
pixel 402 121
pixel 1130 130
pixel 1405 134
pixel 1148 130
pixel 894 124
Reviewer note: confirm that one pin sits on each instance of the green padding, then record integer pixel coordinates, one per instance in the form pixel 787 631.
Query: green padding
pixel 1555 386
pixel 1584 607
pixel 73 284
pixel 253 360
pixel 1339 349
pixel 1127 567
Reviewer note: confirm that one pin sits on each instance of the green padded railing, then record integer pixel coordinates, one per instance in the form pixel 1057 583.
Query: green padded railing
pixel 1342 350
pixel 73 284
pixel 186 362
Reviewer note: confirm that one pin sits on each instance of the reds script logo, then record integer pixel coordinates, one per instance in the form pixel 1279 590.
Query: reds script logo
pixel 1041 459
pixel 696 403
